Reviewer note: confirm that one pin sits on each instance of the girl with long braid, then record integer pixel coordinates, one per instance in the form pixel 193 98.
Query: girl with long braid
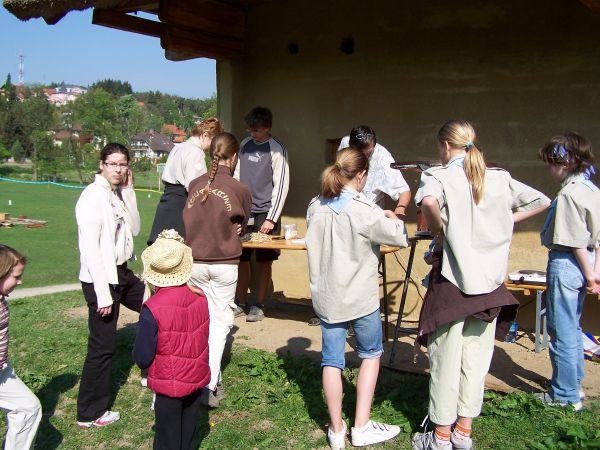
pixel 216 211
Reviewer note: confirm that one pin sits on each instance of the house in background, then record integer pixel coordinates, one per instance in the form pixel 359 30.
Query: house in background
pixel 151 145
pixel 174 133
pixel 21 91
pixel 63 94
pixel 76 134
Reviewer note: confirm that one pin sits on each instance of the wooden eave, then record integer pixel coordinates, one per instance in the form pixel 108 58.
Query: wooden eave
pixel 186 28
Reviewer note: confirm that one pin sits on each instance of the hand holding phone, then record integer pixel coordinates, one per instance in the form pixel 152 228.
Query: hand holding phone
pixel 127 179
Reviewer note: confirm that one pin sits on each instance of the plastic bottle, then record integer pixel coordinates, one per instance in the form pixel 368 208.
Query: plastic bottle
pixel 512 333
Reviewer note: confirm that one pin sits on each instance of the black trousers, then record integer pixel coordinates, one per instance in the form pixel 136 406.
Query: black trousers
pixel 169 211
pixel 175 421
pixel 94 386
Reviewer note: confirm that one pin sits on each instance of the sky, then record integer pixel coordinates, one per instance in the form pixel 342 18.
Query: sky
pixel 77 52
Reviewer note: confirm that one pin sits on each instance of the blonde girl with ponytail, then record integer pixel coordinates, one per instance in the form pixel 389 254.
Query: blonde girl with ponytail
pixel 471 210
pixel 344 233
pixel 215 213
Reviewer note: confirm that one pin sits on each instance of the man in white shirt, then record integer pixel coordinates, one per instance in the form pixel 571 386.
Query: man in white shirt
pixel 382 178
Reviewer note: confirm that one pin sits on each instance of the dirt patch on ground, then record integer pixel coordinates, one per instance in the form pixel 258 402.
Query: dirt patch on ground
pixel 285 329
pixel 514 366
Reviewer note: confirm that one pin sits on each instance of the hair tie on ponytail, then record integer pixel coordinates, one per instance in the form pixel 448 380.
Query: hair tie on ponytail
pixel 338 165
pixel 560 151
pixel 589 172
pixel 468 145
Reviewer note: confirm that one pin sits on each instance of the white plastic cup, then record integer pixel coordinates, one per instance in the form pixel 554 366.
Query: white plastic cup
pixel 290 231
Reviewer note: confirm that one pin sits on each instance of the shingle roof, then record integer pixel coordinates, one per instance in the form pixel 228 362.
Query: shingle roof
pixel 156 141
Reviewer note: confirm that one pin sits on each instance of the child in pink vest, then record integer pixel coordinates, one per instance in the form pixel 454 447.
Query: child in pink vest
pixel 172 341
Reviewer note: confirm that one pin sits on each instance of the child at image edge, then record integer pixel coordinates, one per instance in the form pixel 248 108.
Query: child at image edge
pixel 571 233
pixel 24 411
pixel 344 233
pixel 172 341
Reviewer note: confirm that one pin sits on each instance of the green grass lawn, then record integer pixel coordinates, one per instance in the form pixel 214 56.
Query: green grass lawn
pixel 52 250
pixel 272 401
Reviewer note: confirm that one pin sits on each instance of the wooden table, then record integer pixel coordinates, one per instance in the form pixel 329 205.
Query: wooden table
pixel 541 330
pixel 282 244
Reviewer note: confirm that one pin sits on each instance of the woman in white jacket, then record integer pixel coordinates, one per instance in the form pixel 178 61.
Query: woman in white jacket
pixel 344 233
pixel 107 220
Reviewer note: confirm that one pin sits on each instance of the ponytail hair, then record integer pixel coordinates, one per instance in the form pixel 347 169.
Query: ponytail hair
pixel 9 258
pixel 349 162
pixel 222 147
pixel 459 134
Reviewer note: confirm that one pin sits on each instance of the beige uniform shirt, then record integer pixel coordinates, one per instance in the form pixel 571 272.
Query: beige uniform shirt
pixel 574 218
pixel 343 256
pixel 477 236
pixel 185 163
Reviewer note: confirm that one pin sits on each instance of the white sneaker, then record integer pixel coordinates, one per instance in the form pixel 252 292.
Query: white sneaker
pixel 547 399
pixel 373 433
pixel 337 441
pixel 461 443
pixel 427 441
pixel 109 417
pixel 581 394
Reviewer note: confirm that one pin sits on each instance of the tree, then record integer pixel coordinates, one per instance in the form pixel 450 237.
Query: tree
pixel 73 153
pixel 131 117
pixel 46 157
pixel 39 115
pixel 17 151
pixel 96 111
pixel 4 152
pixel 10 93
pixel 211 107
pixel 115 87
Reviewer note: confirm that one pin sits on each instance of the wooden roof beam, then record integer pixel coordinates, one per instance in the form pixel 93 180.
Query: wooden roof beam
pixel 125 22
pixel 208 15
pixel 139 5
pixel 592 4
pixel 199 43
pixel 178 56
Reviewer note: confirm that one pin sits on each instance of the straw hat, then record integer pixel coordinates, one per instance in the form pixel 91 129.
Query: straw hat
pixel 167 262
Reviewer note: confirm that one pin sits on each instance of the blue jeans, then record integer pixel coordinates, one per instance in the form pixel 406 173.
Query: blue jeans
pixel 566 291
pixel 368 339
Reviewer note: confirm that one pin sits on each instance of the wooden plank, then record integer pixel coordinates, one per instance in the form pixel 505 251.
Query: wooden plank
pixel 592 4
pixel 125 22
pixel 208 15
pixel 178 56
pixel 200 43
pixel 139 5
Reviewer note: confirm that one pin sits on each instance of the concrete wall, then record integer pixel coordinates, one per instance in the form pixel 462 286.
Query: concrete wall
pixel 519 71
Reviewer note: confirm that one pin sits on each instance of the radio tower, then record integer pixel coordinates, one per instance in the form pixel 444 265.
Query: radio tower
pixel 21 69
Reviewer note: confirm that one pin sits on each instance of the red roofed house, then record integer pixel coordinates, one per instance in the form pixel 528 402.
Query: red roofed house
pixel 172 131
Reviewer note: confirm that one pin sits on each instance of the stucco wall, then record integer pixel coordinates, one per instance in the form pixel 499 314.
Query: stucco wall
pixel 519 71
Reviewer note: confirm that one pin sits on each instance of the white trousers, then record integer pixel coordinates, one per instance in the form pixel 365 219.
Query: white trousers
pixel 218 281
pixel 24 410
pixel 460 354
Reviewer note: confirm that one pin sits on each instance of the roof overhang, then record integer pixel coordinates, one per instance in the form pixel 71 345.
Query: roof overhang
pixel 186 28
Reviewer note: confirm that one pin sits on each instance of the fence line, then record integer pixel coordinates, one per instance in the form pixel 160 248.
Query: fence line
pixel 70 186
